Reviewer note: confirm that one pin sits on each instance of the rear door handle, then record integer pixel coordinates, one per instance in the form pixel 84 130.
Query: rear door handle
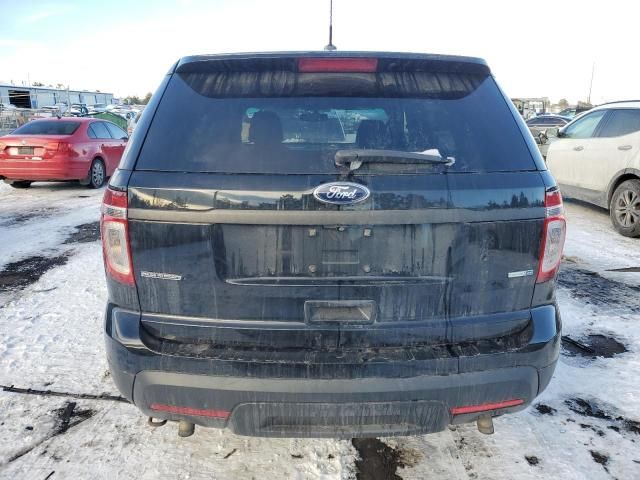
pixel 624 147
pixel 579 148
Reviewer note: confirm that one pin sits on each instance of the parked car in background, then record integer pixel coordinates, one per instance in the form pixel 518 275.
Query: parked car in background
pixel 6 107
pixel 56 149
pixel 98 107
pixel 80 108
pixel 131 125
pixel 278 271
pixel 596 158
pixel 539 126
pixel 57 109
pixel 571 112
pixel 542 122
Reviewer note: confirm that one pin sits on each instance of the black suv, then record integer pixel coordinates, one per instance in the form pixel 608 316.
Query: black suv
pixel 331 245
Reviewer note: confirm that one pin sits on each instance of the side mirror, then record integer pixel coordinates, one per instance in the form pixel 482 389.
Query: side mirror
pixel 125 139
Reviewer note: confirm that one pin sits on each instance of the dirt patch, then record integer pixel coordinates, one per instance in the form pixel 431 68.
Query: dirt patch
pixel 532 460
pixel 596 290
pixel 25 272
pixel 590 408
pixel 545 409
pixel 592 346
pixel 65 418
pixel 378 461
pixel 587 408
pixel 627 270
pixel 68 416
pixel 87 232
pixel 25 217
pixel 600 458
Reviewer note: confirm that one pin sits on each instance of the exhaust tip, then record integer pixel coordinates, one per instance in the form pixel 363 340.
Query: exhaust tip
pixel 485 424
pixel 185 429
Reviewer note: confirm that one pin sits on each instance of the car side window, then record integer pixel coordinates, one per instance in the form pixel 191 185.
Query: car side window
pixel 100 130
pixel 116 132
pixel 621 122
pixel 586 126
pixel 91 133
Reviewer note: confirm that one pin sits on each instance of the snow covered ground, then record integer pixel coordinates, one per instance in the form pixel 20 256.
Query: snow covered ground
pixel 584 426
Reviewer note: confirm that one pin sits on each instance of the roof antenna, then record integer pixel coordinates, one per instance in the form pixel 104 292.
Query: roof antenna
pixel 330 47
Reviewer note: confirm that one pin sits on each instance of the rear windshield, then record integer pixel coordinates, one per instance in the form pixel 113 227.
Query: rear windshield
pixel 48 127
pixel 284 122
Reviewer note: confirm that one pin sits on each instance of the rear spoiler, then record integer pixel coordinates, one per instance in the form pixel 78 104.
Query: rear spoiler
pixel 290 61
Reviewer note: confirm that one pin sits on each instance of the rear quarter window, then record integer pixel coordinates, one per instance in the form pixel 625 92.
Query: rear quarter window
pixel 284 122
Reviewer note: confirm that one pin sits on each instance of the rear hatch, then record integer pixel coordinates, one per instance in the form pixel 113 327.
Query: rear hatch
pixel 263 215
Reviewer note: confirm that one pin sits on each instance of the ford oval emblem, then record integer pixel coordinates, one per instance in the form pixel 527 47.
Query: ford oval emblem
pixel 341 193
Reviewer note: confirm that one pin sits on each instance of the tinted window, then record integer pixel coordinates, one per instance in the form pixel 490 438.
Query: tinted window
pixel 48 127
pixel 211 123
pixel 115 131
pixel 100 130
pixel 91 133
pixel 621 122
pixel 586 126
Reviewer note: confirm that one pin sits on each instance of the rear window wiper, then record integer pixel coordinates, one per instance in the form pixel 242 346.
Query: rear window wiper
pixel 354 158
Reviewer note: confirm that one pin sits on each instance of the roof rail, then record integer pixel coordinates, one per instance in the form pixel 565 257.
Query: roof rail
pixel 619 101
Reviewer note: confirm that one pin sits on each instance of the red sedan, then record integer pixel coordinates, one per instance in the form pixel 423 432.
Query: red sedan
pixel 54 149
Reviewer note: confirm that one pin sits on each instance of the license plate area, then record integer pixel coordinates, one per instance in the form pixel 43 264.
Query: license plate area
pixel 343 312
pixel 324 253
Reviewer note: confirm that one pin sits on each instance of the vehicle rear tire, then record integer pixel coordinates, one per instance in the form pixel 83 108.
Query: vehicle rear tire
pixel 20 184
pixel 624 209
pixel 97 174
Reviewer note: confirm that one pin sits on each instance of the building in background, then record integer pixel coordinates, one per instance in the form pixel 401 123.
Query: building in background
pixel 38 97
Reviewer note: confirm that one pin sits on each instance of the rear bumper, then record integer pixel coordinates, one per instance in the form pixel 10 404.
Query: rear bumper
pixel 216 393
pixel 43 170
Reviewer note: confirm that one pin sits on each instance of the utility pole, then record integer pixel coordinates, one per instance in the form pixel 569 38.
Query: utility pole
pixel 593 68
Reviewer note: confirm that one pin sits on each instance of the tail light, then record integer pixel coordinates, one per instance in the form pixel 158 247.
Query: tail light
pixel 114 229
pixel 339 64
pixel 51 148
pixel 2 147
pixel 486 407
pixel 553 235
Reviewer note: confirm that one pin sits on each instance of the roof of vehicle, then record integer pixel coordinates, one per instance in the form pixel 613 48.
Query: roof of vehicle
pixel 549 115
pixel 619 104
pixel 69 119
pixel 222 60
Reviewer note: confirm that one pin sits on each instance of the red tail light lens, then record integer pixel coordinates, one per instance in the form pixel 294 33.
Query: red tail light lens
pixel 114 229
pixel 57 146
pixel 198 412
pixel 486 406
pixel 351 65
pixel 553 236
pixel 52 148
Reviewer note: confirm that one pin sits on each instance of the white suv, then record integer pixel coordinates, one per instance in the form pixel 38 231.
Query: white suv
pixel 596 159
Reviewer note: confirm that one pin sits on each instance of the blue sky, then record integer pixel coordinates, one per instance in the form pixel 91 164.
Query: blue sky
pixel 535 49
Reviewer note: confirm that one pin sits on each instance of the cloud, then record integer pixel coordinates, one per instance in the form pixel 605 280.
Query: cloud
pixel 44 12
pixel 38 16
